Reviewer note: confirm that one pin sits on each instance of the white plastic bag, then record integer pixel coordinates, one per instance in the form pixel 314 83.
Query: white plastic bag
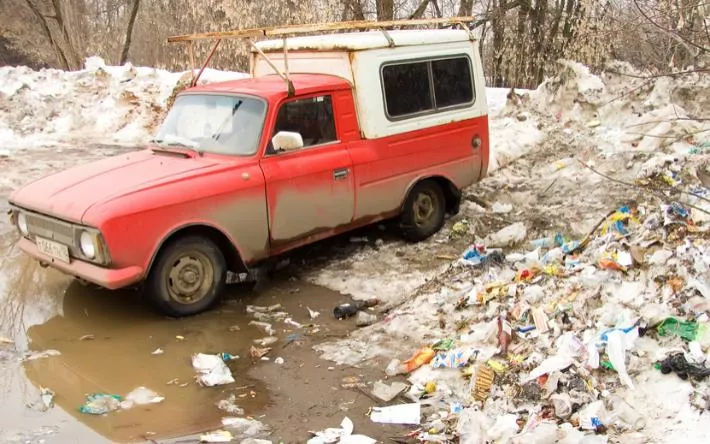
pixel 212 370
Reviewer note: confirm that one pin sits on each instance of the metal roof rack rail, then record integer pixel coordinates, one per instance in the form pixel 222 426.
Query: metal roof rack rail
pixel 293 30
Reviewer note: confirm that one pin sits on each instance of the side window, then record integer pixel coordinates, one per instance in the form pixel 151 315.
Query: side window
pixel 452 82
pixel 408 86
pixel 311 117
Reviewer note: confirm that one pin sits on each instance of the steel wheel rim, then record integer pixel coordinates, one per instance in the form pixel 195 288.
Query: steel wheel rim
pixel 190 278
pixel 424 208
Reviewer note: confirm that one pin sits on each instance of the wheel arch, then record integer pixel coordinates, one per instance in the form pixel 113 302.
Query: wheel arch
pixel 452 195
pixel 230 251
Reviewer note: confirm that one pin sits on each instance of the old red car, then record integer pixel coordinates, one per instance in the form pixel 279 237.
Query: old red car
pixel 329 134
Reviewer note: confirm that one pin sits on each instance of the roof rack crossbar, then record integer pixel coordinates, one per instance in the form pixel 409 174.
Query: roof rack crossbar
pixel 318 27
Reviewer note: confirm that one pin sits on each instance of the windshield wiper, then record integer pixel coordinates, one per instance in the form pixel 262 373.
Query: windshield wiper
pixel 162 145
pixel 217 134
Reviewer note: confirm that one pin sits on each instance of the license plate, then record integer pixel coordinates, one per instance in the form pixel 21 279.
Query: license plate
pixel 53 249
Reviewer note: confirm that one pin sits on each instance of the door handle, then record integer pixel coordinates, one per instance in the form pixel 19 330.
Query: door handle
pixel 340 173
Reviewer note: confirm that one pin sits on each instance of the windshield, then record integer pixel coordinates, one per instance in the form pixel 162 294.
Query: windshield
pixel 214 124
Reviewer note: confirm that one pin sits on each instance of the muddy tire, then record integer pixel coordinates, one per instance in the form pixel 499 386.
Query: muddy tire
pixel 187 278
pixel 423 212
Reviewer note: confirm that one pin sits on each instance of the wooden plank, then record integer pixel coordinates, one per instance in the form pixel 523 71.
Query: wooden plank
pixel 317 27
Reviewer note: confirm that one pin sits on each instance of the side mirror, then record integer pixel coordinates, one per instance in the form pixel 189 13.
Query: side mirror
pixel 287 141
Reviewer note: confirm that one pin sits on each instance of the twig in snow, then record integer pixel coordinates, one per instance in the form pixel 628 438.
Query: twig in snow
pixel 631 91
pixel 660 195
pixel 549 186
pixel 588 237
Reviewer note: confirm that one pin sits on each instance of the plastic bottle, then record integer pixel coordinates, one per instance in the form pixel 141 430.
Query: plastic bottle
pixel 349 309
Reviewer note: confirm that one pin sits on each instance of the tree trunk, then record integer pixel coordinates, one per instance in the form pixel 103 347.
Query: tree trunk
pixel 356 7
pixel 466 8
pixel 129 33
pixel 48 33
pixel 58 16
pixel 421 9
pixel 385 9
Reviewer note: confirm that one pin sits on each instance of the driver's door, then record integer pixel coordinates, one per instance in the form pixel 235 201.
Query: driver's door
pixel 310 190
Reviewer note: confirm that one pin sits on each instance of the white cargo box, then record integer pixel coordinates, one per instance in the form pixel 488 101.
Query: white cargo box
pixel 440 63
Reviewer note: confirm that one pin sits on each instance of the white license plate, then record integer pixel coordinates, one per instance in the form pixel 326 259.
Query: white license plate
pixel 53 249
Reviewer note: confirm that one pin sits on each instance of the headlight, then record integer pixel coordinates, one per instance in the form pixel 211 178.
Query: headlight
pixel 22 224
pixel 87 245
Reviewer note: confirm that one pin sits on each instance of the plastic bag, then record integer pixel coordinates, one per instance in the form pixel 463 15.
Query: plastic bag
pixel 212 370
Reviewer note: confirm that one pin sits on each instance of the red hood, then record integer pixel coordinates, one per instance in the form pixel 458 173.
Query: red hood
pixel 70 193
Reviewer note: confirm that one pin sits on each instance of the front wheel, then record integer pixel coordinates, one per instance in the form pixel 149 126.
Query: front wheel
pixel 187 278
pixel 424 210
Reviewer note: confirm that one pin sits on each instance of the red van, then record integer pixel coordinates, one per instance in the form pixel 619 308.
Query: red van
pixel 329 134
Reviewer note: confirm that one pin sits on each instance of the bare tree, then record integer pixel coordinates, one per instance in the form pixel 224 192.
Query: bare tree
pixel 48 33
pixel 129 32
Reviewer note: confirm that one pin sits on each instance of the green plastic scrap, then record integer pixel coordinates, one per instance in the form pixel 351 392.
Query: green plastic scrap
pixel 443 344
pixel 100 403
pixel 685 329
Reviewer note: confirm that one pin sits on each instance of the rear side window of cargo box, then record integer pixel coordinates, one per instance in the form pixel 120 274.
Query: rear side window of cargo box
pixel 426 86
pixel 407 88
pixel 453 84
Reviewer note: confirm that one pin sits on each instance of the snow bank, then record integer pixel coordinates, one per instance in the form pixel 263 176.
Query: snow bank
pixel 108 104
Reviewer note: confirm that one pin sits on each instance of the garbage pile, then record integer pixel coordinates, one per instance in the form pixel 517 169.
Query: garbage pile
pixel 578 313
pixel 553 332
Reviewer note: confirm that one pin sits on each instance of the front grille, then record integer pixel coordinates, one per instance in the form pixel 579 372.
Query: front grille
pixel 50 228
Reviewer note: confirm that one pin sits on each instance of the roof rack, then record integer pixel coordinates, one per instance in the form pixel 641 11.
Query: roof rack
pixel 293 30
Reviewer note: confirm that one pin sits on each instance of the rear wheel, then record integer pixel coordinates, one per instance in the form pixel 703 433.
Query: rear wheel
pixel 188 277
pixel 424 211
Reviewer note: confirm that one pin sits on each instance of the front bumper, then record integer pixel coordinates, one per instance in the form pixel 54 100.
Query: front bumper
pixel 105 277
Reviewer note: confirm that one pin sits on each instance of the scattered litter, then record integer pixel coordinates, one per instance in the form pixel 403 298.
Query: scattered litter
pixel 217 436
pixel 211 370
pixel 363 319
pixel 279 360
pixel 312 313
pixel 234 328
pixel 388 392
pixel 265 326
pixel 677 363
pixel 349 309
pixel 31 356
pixel 141 396
pixel 259 309
pixel 47 397
pixel 498 207
pixel 397 414
pixel 508 236
pixel 230 406
pixel 290 321
pixel 672 326
pixel 86 338
pixel 342 435
pixel 100 403
pixel 45 401
pixel 257 353
pixel 180 338
pixel 269 340
pixel 157 351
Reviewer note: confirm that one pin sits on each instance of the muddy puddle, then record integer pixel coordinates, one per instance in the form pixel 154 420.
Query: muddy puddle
pixel 107 341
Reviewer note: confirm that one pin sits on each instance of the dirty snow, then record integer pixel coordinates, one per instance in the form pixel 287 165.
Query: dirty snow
pixel 106 104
